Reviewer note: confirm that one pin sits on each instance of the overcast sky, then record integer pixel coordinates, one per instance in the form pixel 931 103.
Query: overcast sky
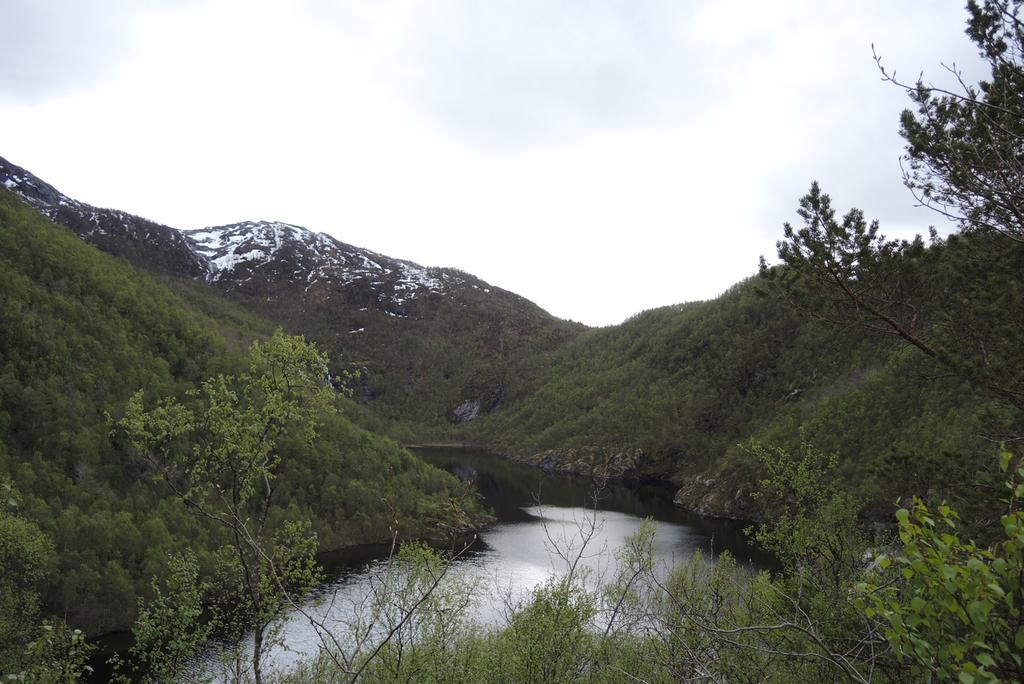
pixel 599 158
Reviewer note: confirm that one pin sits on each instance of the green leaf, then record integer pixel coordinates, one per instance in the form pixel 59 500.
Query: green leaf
pixel 1004 460
pixel 979 610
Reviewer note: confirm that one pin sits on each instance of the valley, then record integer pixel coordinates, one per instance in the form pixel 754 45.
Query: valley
pixel 437 355
pixel 273 456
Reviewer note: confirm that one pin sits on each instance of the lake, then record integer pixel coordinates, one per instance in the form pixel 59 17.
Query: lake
pixel 541 522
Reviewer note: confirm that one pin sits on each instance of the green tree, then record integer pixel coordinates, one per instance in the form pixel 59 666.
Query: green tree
pixel 168 631
pixel 964 157
pixel 951 608
pixel 31 649
pixel 219 452
pixel 958 302
pixel 547 639
pixel 57 655
pixel 845 272
pixel 813 526
pixel 26 556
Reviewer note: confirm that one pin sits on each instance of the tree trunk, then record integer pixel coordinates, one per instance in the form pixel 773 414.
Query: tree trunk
pixel 257 653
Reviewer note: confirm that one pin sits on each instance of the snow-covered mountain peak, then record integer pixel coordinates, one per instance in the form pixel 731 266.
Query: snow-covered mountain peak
pixel 286 252
pixel 271 259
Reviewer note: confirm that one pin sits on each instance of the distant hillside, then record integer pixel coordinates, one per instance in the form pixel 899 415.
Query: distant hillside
pixel 425 341
pixel 671 393
pixel 433 346
pixel 80 332
pixel 676 392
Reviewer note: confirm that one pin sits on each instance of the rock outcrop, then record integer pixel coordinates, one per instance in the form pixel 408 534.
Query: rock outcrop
pixel 600 462
pixel 703 495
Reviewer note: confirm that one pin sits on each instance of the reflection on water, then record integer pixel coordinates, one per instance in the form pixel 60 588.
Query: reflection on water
pixel 510 488
pixel 544 523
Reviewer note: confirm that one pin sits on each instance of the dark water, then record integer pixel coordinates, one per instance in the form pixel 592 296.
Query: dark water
pixel 539 518
pixel 511 489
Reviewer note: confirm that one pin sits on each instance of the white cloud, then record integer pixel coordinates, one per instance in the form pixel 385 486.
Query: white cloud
pixel 56 46
pixel 598 158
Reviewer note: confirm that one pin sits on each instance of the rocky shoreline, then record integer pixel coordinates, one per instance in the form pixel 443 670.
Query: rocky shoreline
pixel 699 493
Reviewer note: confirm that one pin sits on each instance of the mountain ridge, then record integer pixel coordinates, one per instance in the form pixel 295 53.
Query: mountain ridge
pixel 410 332
pixel 143 242
pixel 670 394
pixel 215 253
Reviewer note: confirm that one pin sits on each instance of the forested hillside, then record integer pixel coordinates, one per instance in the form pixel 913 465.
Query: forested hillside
pixel 672 393
pixel 80 332
pixel 902 357
pixel 473 346
pixel 158 422
pixel 432 346
pixel 681 390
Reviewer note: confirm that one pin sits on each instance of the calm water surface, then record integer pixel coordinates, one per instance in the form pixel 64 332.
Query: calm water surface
pixel 540 519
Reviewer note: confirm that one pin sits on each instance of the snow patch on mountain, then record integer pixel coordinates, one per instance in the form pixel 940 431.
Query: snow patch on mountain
pixel 236 251
pixel 246 252
pixel 33 190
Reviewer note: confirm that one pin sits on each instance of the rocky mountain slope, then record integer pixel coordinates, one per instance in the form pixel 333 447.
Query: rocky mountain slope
pixel 243 257
pixel 147 244
pixel 430 345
